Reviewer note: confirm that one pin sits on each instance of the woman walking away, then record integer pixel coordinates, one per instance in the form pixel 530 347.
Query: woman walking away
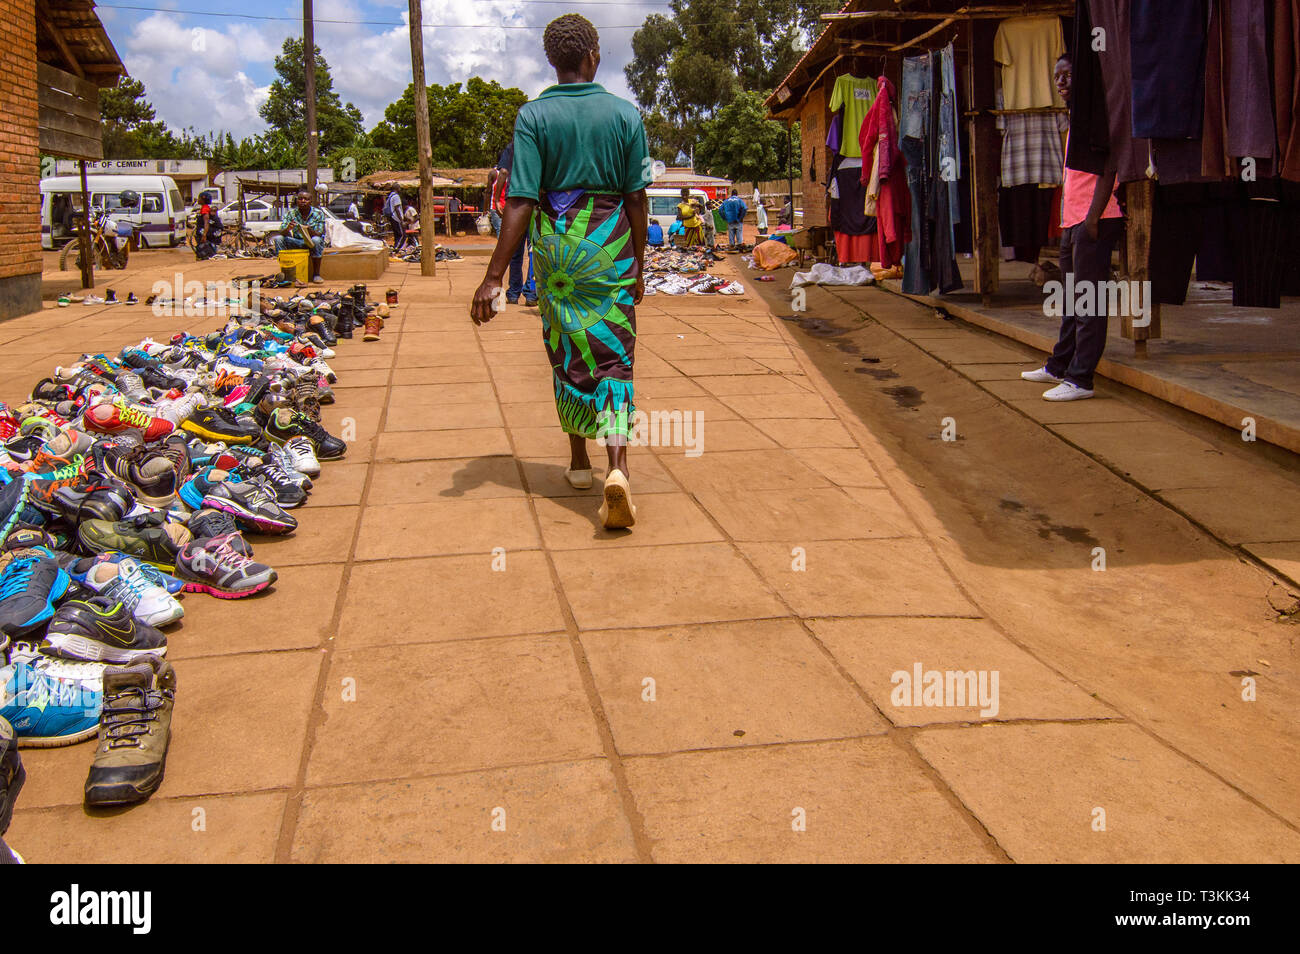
pixel 578 182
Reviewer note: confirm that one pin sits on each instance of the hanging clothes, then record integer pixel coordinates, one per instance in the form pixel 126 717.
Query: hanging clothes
pixel 1027 49
pixel 854 230
pixel 886 177
pixel 1167 51
pixel 854 95
pixel 927 127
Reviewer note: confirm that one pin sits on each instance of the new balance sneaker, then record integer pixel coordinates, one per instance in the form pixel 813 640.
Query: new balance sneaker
pixel 116 417
pixel 150 537
pixel 214 566
pixel 99 629
pixel 285 424
pixel 203 480
pixel 209 524
pixel 135 732
pixel 218 424
pixel 31 582
pixel 302 456
pixel 126 582
pixel 286 485
pixel 253 505
pixel 49 705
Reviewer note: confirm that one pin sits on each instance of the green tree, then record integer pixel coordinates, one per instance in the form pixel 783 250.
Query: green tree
pixel 285 109
pixel 130 128
pixel 468 127
pixel 365 160
pixel 740 143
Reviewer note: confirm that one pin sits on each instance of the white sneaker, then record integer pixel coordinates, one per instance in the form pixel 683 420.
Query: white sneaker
pixel 124 581
pixel 1040 376
pixel 180 408
pixel 1065 391
pixel 303 456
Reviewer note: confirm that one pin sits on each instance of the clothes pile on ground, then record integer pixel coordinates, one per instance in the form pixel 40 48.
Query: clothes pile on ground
pixel 824 273
pixel 126 481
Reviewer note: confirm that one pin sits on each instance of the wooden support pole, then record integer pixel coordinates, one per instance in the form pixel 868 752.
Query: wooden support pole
pixel 87 266
pixel 428 221
pixel 984 157
pixel 1139 199
pixel 309 79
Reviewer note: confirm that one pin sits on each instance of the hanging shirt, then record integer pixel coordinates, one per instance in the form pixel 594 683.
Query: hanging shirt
pixel 855 96
pixel 1027 48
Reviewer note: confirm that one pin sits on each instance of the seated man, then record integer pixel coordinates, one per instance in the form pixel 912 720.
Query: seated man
pixel 304 227
pixel 654 234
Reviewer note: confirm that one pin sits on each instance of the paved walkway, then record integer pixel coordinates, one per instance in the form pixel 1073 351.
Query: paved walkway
pixel 458 665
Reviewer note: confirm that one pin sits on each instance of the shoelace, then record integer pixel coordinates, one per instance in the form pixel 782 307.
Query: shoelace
pixel 17 576
pixel 124 724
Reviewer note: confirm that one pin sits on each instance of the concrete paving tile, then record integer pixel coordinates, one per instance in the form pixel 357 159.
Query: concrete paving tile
pixel 845 466
pixel 1284 556
pixel 295 613
pixel 754 406
pixel 545 476
pixel 661 586
pixel 443 417
pixel 976 349
pixel 724 684
pixel 1243 512
pixel 873 650
pixel 425 480
pixel 572 523
pixel 359 378
pixel 805 514
pixel 859 578
pixel 339 485
pixel 356 425
pixel 530 414
pixel 324 536
pixel 1036 789
pixel 477 596
pixel 435 445
pixel 484 704
pixel 234 829
pixel 538 387
pixel 723 471
pixel 547 441
pixel 361 397
pixel 453 374
pixel 1156 454
pixel 726 436
pixel 675 386
pixel 858 801
pixel 566 813
pixel 1096 410
pixel 421 395
pixel 444 527
pixel 468 355
pixel 710 366
pixel 806 433
pixel 698 406
pixel 360 361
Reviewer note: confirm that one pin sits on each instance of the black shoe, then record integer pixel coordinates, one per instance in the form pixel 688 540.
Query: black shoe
pixel 100 629
pixel 157 378
pixel 285 423
pixel 151 475
pixel 208 523
pixel 218 424
pixel 253 505
pixel 93 497
pixel 12 775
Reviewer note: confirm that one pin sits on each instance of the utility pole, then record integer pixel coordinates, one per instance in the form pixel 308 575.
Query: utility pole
pixel 309 76
pixel 427 220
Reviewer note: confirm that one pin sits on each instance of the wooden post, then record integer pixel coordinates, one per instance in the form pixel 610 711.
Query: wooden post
pixel 87 259
pixel 1140 197
pixel 984 152
pixel 428 221
pixel 309 78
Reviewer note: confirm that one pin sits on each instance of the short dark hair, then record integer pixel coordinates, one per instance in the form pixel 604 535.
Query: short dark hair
pixel 568 39
pixel 734 192
pixel 305 191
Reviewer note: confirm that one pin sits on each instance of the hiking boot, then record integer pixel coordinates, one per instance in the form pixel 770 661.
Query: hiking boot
pixel 148 537
pixel 374 324
pixel 285 424
pixel 134 733
pixel 100 629
pixel 12 775
pixel 214 566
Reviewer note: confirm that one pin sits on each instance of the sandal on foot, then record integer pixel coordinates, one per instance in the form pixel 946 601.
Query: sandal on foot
pixel 617 512
pixel 578 479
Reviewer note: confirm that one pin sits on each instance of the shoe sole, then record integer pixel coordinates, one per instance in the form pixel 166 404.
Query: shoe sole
pixel 226 594
pixel 618 512
pixel 106 796
pixel 85 649
pixel 213 436
pixel 262 523
pixel 55 742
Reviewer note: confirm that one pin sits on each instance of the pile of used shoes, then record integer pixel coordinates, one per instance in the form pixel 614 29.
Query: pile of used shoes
pixel 698 284
pixel 127 481
pixel 682 261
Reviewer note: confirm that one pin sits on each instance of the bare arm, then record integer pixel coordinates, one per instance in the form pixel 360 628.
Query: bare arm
pixel 514 224
pixel 638 218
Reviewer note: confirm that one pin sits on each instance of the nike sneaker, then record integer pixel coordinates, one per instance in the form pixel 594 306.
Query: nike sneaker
pixel 99 629
pixel 126 582
pixel 134 733
pixel 213 566
pixel 284 424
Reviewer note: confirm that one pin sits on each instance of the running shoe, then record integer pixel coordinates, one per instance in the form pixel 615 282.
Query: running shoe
pixel 50 705
pixel 117 417
pixel 253 505
pixel 218 424
pixel 91 497
pixel 99 629
pixel 302 456
pixel 285 424
pixel 214 566
pixel 150 474
pixel 197 487
pixel 286 484
pixel 134 733
pixel 208 524
pixel 31 582
pixel 125 582
pixel 151 572
pixel 149 537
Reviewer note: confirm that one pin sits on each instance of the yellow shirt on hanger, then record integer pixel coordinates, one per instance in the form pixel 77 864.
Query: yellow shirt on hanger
pixel 856 96
pixel 1027 48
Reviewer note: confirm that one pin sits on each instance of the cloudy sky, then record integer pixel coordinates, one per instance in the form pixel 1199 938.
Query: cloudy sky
pixel 212 71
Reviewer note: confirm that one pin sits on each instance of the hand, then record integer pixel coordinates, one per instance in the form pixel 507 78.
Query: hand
pixel 638 290
pixel 1092 226
pixel 486 302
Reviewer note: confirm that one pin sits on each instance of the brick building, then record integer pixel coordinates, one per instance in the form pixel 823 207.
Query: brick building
pixel 54 58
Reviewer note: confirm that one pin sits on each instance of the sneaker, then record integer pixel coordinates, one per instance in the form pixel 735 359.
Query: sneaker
pixel 302 456
pixel 170 583
pixel 116 417
pixel 125 582
pixel 99 629
pixel 134 733
pixel 280 459
pixel 149 474
pixel 210 524
pixel 91 497
pixel 1065 391
pixel 215 567
pixel 285 424
pixel 253 505
pixel 30 584
pixel 48 705
pixel 12 775
pixel 198 486
pixel 218 424
pixel 1040 376
pixel 149 537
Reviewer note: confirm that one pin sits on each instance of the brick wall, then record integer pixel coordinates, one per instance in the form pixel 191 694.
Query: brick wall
pixel 815 156
pixel 20 200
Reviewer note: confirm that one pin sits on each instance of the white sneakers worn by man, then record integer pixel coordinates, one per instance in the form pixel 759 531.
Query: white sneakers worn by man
pixel 1064 390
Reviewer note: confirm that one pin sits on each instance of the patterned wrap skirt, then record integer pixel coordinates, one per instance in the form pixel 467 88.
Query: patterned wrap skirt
pixel 585 270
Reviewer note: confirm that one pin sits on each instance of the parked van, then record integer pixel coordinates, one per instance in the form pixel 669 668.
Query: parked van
pixel 159 216
pixel 663 204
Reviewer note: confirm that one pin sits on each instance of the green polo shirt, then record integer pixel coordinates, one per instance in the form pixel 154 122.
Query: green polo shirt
pixel 578 136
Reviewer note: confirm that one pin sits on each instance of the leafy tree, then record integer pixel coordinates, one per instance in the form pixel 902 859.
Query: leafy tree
pixel 468 128
pixel 130 130
pixel 285 109
pixel 740 143
pixel 365 160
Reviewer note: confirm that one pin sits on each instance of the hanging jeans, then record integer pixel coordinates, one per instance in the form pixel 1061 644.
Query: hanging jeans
pixel 949 148
pixel 1083 337
pixel 914 128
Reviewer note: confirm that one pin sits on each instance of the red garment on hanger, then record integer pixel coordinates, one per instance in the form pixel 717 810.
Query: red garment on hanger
pixel 894 207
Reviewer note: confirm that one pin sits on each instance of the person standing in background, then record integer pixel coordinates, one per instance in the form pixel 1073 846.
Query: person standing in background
pixel 393 213
pixel 688 214
pixel 733 211
pixel 760 210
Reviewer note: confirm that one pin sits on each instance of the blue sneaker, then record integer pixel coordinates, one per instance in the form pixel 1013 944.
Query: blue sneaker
pixel 200 485
pixel 51 702
pixel 31 582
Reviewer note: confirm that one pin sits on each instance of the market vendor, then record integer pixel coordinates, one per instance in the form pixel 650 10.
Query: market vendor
pixel 688 213
pixel 303 226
